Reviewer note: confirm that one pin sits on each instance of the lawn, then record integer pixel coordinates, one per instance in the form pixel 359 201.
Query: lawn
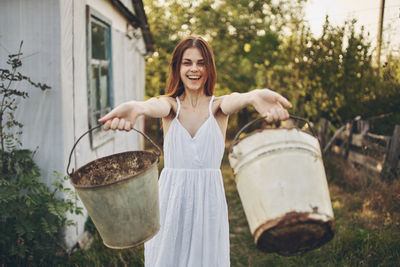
pixel 367 227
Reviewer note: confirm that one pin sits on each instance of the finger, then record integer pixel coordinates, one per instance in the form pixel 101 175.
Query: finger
pixel 269 117
pixel 107 125
pixel 284 102
pixel 286 115
pixel 114 123
pixel 128 126
pixel 280 113
pixel 110 115
pixel 121 124
pixel 275 115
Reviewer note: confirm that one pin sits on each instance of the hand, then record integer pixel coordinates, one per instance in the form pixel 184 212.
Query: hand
pixel 271 104
pixel 123 117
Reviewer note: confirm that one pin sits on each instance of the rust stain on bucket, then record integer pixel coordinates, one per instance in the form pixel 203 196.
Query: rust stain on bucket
pixel 294 233
pixel 281 181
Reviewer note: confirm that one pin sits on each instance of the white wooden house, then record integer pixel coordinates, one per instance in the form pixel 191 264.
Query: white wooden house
pixel 92 54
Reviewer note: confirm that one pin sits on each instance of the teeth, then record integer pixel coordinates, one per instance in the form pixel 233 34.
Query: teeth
pixel 194 77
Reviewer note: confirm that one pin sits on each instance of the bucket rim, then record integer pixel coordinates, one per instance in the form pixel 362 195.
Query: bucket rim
pixel 234 143
pixel 155 162
pixel 236 138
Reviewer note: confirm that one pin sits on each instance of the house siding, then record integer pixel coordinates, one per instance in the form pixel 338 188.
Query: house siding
pixel 54 34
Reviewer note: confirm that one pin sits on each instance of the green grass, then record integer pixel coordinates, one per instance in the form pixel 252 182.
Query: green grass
pixel 367 227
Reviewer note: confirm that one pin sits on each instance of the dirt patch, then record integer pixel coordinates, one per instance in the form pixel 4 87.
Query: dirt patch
pixel 113 168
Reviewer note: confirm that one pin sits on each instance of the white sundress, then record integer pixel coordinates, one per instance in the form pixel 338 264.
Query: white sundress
pixel 194 228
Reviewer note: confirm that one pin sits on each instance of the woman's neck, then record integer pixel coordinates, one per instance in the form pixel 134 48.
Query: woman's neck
pixel 193 98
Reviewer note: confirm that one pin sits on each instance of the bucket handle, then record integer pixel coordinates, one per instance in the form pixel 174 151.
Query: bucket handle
pixel 258 119
pixel 98 126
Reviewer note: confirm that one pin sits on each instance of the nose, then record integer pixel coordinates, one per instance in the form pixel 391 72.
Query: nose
pixel 195 67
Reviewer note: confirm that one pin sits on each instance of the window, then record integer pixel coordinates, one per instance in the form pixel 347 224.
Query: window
pixel 100 91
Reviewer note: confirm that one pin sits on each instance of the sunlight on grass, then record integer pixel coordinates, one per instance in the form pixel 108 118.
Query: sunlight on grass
pixel 367 231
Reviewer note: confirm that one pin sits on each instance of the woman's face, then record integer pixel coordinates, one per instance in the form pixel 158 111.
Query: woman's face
pixel 193 70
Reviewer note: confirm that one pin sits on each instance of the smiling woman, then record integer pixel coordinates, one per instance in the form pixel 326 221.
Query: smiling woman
pixel 193 72
pixel 195 57
pixel 193 210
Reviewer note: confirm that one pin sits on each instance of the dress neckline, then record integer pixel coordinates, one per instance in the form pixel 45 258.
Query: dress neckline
pixel 198 130
pixel 201 126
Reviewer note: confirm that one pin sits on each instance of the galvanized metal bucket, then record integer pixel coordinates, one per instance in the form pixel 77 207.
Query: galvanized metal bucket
pixel 120 193
pixel 282 185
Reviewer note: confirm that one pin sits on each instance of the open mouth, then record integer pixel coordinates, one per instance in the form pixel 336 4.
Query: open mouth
pixel 193 78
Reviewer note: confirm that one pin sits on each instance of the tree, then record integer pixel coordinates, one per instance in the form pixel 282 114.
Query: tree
pixel 245 37
pixel 260 44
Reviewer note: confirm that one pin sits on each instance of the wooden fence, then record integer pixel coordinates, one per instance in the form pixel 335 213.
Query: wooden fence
pixel 376 153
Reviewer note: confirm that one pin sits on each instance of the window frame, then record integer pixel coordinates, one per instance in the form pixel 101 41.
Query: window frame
pixel 98 137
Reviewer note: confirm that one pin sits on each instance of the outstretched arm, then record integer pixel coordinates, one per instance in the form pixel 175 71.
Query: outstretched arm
pixel 266 102
pixel 124 116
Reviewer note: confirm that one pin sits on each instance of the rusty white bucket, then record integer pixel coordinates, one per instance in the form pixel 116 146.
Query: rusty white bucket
pixel 120 193
pixel 282 185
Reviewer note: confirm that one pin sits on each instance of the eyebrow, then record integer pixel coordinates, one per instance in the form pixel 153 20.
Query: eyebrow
pixel 187 59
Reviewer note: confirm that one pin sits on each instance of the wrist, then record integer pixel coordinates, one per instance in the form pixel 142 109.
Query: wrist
pixel 137 107
pixel 142 108
pixel 252 96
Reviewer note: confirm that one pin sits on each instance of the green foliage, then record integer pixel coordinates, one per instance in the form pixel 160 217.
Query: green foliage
pixel 333 73
pixel 100 255
pixel 260 44
pixel 246 37
pixel 384 105
pixel 367 229
pixel 243 34
pixel 32 215
pixel 367 221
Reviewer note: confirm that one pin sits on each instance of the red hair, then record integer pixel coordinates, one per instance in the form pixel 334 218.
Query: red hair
pixel 174 84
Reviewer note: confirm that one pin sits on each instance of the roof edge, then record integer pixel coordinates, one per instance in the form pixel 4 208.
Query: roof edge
pixel 137 21
pixel 144 26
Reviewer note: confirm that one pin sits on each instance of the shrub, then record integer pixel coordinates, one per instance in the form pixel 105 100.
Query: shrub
pixel 32 215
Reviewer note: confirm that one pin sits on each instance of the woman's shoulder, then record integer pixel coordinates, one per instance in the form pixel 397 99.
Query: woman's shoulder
pixel 217 105
pixel 167 98
pixel 171 101
pixel 218 99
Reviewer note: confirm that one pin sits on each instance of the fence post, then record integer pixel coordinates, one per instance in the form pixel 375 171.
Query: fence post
pixel 348 145
pixel 362 127
pixel 389 171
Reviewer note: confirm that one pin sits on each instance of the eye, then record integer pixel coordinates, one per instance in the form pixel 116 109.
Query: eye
pixel 186 63
pixel 201 63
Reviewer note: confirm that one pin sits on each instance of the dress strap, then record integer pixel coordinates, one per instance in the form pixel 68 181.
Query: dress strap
pixel 179 107
pixel 210 106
